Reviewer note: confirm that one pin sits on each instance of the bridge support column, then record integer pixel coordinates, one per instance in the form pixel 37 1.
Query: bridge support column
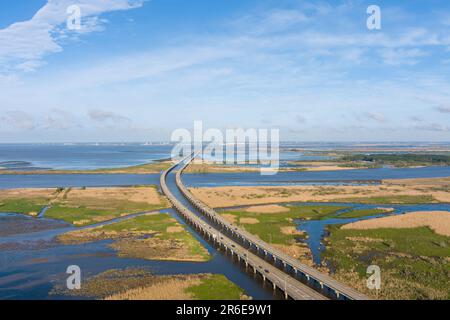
pixel 286 295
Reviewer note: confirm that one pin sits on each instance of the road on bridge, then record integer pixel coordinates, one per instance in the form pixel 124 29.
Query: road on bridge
pixel 290 286
pixel 313 277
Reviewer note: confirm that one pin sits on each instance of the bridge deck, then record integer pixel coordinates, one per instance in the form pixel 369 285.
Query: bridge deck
pixel 309 272
pixel 290 286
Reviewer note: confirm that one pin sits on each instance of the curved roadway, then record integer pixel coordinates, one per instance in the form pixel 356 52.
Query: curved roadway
pixel 311 276
pixel 289 285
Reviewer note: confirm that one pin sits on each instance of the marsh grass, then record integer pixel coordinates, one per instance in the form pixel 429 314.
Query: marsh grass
pixel 363 213
pixel 415 263
pixel 30 206
pixel 82 211
pixel 140 284
pixel 271 225
pixel 215 287
pixel 394 199
pixel 153 237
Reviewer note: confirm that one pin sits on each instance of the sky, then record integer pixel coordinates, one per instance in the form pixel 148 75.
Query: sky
pixel 136 70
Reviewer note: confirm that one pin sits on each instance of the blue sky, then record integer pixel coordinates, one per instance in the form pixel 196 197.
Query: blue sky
pixel 139 69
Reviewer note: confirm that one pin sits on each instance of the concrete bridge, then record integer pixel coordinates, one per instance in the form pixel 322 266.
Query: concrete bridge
pixel 313 278
pixel 291 287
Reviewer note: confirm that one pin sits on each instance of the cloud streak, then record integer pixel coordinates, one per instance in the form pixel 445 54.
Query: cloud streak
pixel 23 45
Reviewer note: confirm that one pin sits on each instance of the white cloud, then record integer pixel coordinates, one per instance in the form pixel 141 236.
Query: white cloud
pixel 376 116
pixel 20 120
pixel 398 57
pixel 24 44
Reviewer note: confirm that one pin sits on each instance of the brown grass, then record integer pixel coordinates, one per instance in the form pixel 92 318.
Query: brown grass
pixel 219 197
pixel 267 209
pixel 170 289
pixel 174 229
pixel 289 230
pixel 248 220
pixel 438 221
pixel 231 218
pixel 93 197
pixel 156 249
pixel 28 193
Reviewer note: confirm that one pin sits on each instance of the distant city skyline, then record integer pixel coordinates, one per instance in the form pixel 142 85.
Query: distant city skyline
pixel 137 70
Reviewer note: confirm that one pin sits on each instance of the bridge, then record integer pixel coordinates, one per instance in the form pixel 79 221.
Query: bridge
pixel 291 287
pixel 321 282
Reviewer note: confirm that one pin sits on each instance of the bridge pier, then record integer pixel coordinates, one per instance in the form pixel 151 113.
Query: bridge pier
pixel 250 244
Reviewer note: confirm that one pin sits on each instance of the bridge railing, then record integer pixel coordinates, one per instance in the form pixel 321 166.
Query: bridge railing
pixel 310 273
pixel 242 253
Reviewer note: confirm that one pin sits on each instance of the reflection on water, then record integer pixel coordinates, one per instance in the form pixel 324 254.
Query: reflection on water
pixel 32 261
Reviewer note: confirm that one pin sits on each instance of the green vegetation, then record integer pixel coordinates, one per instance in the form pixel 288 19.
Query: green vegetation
pixel 25 206
pixel 362 213
pixel 415 263
pixel 142 284
pixel 316 212
pixel 401 160
pixel 160 224
pixel 83 207
pixel 277 227
pixel 216 287
pixel 397 199
pixel 83 216
pixel 153 167
pixel 151 236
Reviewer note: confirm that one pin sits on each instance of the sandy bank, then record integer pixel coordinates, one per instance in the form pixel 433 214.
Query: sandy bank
pixel 438 221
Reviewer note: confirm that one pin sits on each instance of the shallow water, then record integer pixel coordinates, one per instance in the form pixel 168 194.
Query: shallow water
pixel 316 229
pixel 343 177
pixel 32 262
pixel 300 177
pixel 79 156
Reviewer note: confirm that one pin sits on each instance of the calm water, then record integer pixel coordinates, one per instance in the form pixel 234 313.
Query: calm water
pixel 359 177
pixel 31 261
pixel 79 156
pixel 95 156
pixel 316 229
